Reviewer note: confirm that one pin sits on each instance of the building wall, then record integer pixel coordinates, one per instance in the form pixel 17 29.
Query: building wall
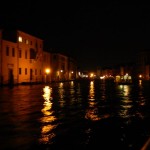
pixel 72 69
pixel 22 60
pixel 0 56
pixel 60 67
pixel 47 66
pixel 143 64
pixel 9 62
pixel 33 64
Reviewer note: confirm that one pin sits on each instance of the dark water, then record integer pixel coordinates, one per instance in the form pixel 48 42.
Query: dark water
pixel 74 115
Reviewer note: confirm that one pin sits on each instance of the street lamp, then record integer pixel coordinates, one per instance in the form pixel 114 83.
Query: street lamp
pixel 47 71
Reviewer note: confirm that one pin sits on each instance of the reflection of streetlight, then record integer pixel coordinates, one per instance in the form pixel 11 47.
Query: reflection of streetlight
pixel 47 71
pixel 48 118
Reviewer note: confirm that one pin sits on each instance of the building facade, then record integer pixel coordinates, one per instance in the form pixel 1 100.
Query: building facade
pixel 143 64
pixel 59 65
pixel 23 60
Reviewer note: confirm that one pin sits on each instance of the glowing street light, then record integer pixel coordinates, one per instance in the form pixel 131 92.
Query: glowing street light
pixel 47 71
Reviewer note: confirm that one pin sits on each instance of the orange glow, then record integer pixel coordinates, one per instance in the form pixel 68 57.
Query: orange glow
pixel 46 136
pixel 47 71
pixel 92 114
pixel 91 92
pixel 47 128
pixel 91 75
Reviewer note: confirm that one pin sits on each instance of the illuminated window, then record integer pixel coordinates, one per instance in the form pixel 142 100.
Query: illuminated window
pixel 26 41
pixel 7 51
pixel 20 39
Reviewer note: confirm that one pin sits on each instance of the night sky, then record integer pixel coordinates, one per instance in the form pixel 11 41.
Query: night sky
pixel 95 34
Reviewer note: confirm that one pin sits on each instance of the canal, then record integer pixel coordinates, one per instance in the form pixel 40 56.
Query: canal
pixel 74 115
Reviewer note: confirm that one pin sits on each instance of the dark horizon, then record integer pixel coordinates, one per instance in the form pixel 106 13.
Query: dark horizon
pixel 94 34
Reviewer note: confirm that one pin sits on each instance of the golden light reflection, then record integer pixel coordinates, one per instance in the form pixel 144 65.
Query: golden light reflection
pixel 140 82
pixel 92 111
pixel 46 134
pixel 47 128
pixel 125 110
pixel 93 114
pixel 126 103
pixel 91 91
pixel 72 93
pixel 61 94
pixel 72 83
pixel 61 85
pixel 125 89
pixel 48 118
pixel 47 93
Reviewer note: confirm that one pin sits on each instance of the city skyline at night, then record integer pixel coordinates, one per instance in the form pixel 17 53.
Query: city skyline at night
pixel 95 34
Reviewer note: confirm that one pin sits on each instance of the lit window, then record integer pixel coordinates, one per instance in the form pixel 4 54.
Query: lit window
pixel 20 39
pixel 26 41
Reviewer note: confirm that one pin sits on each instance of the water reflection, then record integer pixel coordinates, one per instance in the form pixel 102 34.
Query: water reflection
pixel 91 93
pixel 126 104
pixel 61 94
pixel 128 107
pixel 92 111
pixel 78 120
pixel 47 128
pixel 125 89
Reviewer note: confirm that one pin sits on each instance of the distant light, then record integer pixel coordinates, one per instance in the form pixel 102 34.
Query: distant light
pixel 47 71
pixel 102 77
pixel 20 39
pixel 91 75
